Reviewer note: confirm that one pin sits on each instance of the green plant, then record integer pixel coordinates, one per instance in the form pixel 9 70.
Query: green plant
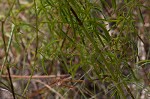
pixel 90 48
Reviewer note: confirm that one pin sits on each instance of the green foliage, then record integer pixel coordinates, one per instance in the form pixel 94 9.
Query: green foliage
pixel 92 40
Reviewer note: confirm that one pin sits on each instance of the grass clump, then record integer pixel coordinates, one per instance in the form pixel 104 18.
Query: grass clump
pixel 75 49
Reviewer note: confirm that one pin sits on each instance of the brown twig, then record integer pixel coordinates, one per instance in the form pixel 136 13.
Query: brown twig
pixel 62 82
pixel 34 77
pixel 76 16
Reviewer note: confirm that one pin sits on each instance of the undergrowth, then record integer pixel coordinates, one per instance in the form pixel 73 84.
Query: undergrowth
pixel 74 49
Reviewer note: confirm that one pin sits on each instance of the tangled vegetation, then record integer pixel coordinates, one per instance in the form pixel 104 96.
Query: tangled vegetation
pixel 74 49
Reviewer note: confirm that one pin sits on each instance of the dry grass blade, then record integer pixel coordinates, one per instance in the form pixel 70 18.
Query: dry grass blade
pixel 51 89
pixel 34 77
